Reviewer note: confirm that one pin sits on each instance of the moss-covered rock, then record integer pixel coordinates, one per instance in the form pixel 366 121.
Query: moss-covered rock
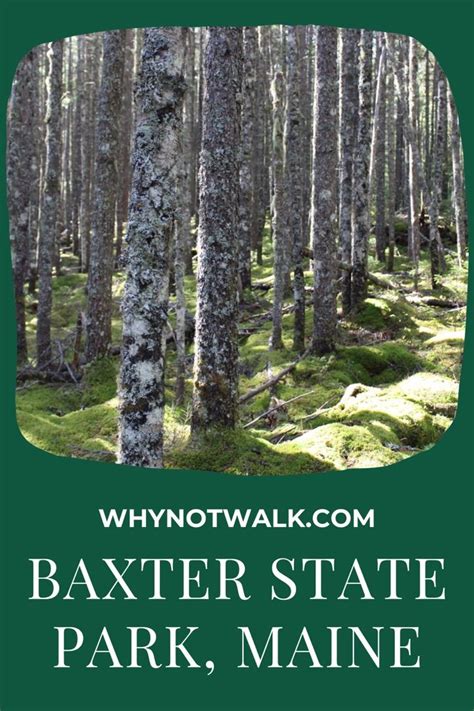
pixel 345 446
pixel 438 394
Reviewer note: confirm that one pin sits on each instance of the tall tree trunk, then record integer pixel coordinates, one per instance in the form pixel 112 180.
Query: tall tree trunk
pixel 294 176
pixel 101 258
pixel 437 250
pixel 360 176
pixel 76 146
pixel 413 180
pixel 49 203
pixel 391 188
pixel 279 212
pixel 324 191
pixel 458 182
pixel 37 140
pixel 247 195
pixel 18 174
pixel 124 167
pixel 380 157
pixel 159 96
pixel 215 398
pixel 348 131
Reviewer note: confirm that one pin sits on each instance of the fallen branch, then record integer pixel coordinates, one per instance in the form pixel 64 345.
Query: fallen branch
pixel 278 407
pixel 442 303
pixel 273 381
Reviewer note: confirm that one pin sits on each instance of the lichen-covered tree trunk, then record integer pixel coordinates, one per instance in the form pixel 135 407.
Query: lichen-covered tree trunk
pixel 437 250
pixel 458 182
pixel 348 132
pixel 18 177
pixel 91 64
pixel 360 175
pixel 278 209
pixel 124 167
pixel 293 176
pixel 380 157
pixel 76 146
pixel 159 98
pixel 215 397
pixel 101 257
pixel 183 218
pixel 413 168
pixel 247 196
pixel 325 166
pixel 391 190
pixel 49 204
pixel 35 171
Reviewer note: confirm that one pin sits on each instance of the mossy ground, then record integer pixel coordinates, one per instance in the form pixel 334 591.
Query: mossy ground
pixel 406 357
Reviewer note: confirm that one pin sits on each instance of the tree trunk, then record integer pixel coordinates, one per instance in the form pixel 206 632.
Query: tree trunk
pixel 348 131
pixel 49 203
pixel 391 191
pixel 279 213
pixel 413 180
pixel 324 191
pixel 18 175
pixel 247 196
pixel 159 97
pixel 215 398
pixel 380 157
pixel 458 181
pixel 124 167
pixel 101 256
pixel 294 176
pixel 360 176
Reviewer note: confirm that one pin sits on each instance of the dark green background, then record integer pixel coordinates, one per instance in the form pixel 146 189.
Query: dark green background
pixel 424 506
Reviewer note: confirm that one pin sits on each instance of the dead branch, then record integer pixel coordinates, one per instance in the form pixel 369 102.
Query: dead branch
pixel 273 381
pixel 277 407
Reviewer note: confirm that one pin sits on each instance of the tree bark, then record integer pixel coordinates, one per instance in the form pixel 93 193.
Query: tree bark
pixel 49 204
pixel 458 181
pixel 215 397
pixel 348 131
pixel 159 97
pixel 18 178
pixel 324 191
pixel 361 218
pixel 101 255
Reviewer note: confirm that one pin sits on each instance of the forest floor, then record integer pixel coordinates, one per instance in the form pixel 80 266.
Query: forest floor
pixel 388 392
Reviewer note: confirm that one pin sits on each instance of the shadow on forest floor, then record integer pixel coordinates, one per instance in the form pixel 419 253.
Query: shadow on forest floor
pixel 401 357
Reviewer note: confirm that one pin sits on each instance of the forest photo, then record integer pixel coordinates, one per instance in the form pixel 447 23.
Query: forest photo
pixel 234 249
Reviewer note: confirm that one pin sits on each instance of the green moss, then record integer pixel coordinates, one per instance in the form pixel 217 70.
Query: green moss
pixel 345 446
pixel 76 434
pixel 99 381
pixel 241 452
pixel 364 363
pixel 388 312
pixel 436 393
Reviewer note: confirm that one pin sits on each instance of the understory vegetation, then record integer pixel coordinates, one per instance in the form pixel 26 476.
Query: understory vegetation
pixel 388 391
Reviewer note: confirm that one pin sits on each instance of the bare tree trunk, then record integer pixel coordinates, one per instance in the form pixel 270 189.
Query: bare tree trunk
pixel 391 191
pixel 215 397
pixel 49 203
pixel 159 96
pixel 124 165
pixel 293 176
pixel 458 182
pixel 101 256
pixel 324 191
pixel 437 250
pixel 247 195
pixel 413 180
pixel 279 213
pixel 360 176
pixel 76 146
pixel 348 131
pixel 380 157
pixel 18 175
